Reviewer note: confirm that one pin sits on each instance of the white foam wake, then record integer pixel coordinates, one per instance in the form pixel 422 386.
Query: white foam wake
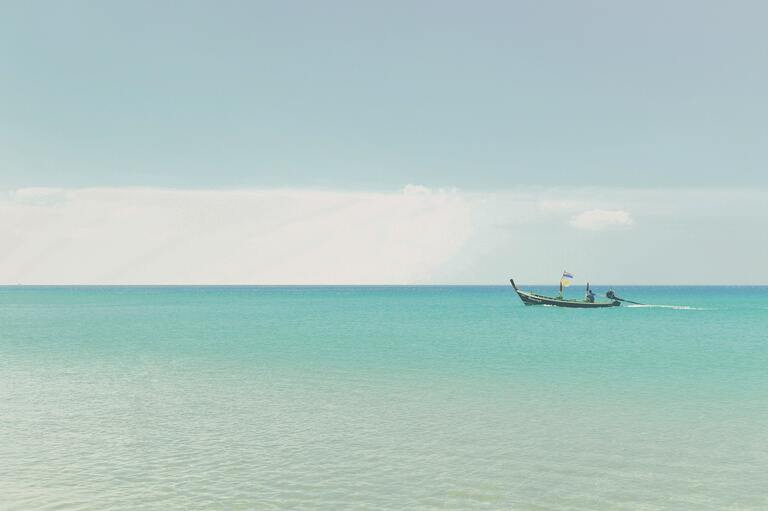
pixel 677 307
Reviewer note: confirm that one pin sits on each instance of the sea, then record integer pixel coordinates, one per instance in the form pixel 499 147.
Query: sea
pixel 381 398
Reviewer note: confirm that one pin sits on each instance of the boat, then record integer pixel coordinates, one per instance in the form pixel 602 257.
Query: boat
pixel 529 298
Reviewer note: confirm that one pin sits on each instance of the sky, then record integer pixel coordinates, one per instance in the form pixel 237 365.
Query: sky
pixel 383 142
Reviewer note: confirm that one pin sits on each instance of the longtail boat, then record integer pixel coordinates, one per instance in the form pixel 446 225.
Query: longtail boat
pixel 529 298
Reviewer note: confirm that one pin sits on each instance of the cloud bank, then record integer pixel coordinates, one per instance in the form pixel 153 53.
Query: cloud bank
pixel 140 236
pixel 415 235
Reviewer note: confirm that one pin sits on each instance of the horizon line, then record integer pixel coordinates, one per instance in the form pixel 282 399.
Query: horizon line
pixel 375 285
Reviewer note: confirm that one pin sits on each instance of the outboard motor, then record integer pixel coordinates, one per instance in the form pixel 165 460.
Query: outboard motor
pixel 616 300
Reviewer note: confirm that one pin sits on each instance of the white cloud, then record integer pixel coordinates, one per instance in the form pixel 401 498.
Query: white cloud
pixel 600 219
pixel 411 189
pixel 114 235
pixel 415 235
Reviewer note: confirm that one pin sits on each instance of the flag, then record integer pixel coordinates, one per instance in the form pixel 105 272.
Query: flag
pixel 565 280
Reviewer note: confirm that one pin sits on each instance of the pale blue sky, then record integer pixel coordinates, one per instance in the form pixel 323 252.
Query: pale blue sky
pixel 387 142
pixel 364 95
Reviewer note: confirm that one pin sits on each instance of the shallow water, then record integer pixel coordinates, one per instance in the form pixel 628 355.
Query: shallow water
pixel 381 398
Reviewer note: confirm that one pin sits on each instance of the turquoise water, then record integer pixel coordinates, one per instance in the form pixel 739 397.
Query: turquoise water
pixel 381 398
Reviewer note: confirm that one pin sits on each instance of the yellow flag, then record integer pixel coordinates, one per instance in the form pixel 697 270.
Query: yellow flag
pixel 565 282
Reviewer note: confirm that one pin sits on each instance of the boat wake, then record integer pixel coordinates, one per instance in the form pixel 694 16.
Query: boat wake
pixel 676 307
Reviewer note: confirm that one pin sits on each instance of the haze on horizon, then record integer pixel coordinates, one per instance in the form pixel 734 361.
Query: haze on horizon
pixel 404 142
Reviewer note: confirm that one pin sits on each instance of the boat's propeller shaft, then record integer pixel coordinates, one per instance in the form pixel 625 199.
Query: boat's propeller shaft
pixel 610 295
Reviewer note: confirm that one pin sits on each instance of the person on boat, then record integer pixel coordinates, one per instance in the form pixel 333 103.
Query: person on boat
pixel 590 296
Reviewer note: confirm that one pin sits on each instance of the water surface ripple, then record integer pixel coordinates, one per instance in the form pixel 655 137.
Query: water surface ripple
pixel 377 398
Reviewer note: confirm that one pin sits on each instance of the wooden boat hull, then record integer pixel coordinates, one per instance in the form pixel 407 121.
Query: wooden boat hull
pixel 534 299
